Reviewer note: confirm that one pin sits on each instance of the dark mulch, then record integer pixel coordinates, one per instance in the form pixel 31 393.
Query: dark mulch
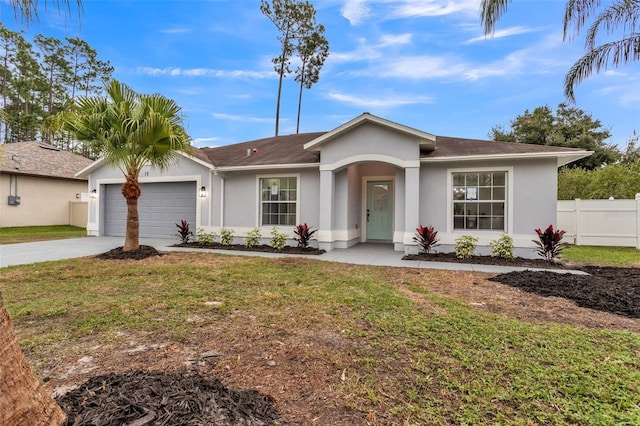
pixel 608 289
pixel 260 248
pixel 152 398
pixel 118 254
pixel 484 260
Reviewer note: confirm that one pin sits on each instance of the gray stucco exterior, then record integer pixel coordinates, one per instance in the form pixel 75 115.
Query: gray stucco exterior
pixel 334 195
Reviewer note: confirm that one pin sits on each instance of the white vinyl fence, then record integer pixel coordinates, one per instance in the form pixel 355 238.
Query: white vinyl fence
pixel 613 223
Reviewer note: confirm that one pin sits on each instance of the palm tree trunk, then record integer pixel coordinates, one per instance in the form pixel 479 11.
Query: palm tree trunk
pixel 132 237
pixel 131 192
pixel 23 400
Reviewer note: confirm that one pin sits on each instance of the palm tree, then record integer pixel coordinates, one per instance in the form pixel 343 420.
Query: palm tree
pixel 131 130
pixel 623 14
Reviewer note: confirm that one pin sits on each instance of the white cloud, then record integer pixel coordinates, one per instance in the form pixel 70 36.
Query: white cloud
pixel 206 72
pixel 389 101
pixel 424 8
pixel 507 32
pixel 415 67
pixel 366 51
pixel 355 11
pixel 244 118
pixel 394 39
pixel 182 30
pixel 204 142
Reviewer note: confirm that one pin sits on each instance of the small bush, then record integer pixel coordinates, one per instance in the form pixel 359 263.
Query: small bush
pixel 426 238
pixel 278 239
pixel 183 231
pixel 304 233
pixel 226 236
pixel 502 247
pixel 549 246
pixel 253 238
pixel 465 246
pixel 205 237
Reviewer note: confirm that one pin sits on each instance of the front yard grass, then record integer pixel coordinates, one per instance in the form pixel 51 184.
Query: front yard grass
pixel 26 234
pixel 375 342
pixel 615 256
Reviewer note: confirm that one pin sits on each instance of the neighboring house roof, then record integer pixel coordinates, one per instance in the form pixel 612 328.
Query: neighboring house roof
pixel 448 148
pixel 426 140
pixel 277 150
pixel 38 159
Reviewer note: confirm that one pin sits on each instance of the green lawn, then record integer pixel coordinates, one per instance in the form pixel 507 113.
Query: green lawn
pixel 369 339
pixel 25 234
pixel 616 256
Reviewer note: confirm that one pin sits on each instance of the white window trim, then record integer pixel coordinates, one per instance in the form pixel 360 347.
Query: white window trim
pixel 259 199
pixel 508 202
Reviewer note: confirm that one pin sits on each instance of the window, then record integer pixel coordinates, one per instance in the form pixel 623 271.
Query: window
pixel 278 201
pixel 479 200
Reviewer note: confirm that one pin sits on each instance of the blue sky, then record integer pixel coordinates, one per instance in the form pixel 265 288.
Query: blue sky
pixel 422 63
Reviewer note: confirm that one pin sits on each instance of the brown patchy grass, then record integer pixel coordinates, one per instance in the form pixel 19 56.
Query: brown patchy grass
pixel 331 343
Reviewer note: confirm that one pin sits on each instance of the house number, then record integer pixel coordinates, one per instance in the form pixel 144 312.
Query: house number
pixel 146 173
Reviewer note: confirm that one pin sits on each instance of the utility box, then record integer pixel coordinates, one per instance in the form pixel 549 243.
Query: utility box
pixel 14 200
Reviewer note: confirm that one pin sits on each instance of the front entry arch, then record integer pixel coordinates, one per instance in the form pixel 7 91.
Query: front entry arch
pixel 379 210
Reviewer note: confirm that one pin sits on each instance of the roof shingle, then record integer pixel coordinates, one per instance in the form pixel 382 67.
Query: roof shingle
pixel 37 159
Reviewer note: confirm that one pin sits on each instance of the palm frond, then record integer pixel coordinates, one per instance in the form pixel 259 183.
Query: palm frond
pixel 576 13
pixel 600 58
pixel 490 13
pixel 623 14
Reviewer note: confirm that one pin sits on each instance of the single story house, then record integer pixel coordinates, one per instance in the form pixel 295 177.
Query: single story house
pixel 368 180
pixel 39 186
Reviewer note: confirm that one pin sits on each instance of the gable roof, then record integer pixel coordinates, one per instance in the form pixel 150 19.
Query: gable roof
pixel 38 159
pixel 426 140
pixel 273 151
pixel 194 154
pixel 459 149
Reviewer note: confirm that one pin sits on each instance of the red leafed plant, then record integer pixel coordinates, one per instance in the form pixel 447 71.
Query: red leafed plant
pixel 548 244
pixel 183 231
pixel 426 238
pixel 304 233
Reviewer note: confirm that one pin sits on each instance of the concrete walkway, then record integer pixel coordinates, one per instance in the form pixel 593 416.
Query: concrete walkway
pixel 361 254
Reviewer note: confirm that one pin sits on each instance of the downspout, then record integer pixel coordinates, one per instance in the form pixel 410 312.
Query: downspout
pixel 221 202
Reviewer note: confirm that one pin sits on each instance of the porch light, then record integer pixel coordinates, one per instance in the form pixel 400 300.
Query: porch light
pixel 203 192
pixel 93 193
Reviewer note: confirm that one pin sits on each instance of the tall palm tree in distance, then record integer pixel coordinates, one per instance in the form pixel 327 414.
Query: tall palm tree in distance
pixel 131 130
pixel 616 16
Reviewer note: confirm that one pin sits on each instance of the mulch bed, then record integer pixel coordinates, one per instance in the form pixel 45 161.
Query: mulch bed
pixel 485 260
pixel 118 254
pixel 260 248
pixel 140 398
pixel 608 289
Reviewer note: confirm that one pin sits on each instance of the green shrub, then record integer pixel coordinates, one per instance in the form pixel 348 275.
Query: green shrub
pixel 426 238
pixel 304 233
pixel 502 247
pixel 549 245
pixel 226 236
pixel 205 237
pixel 465 246
pixel 253 238
pixel 278 239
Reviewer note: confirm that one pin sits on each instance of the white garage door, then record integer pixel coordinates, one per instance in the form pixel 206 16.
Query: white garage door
pixel 160 207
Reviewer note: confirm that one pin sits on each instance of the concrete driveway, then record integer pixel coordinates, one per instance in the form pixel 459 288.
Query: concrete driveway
pixel 42 251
